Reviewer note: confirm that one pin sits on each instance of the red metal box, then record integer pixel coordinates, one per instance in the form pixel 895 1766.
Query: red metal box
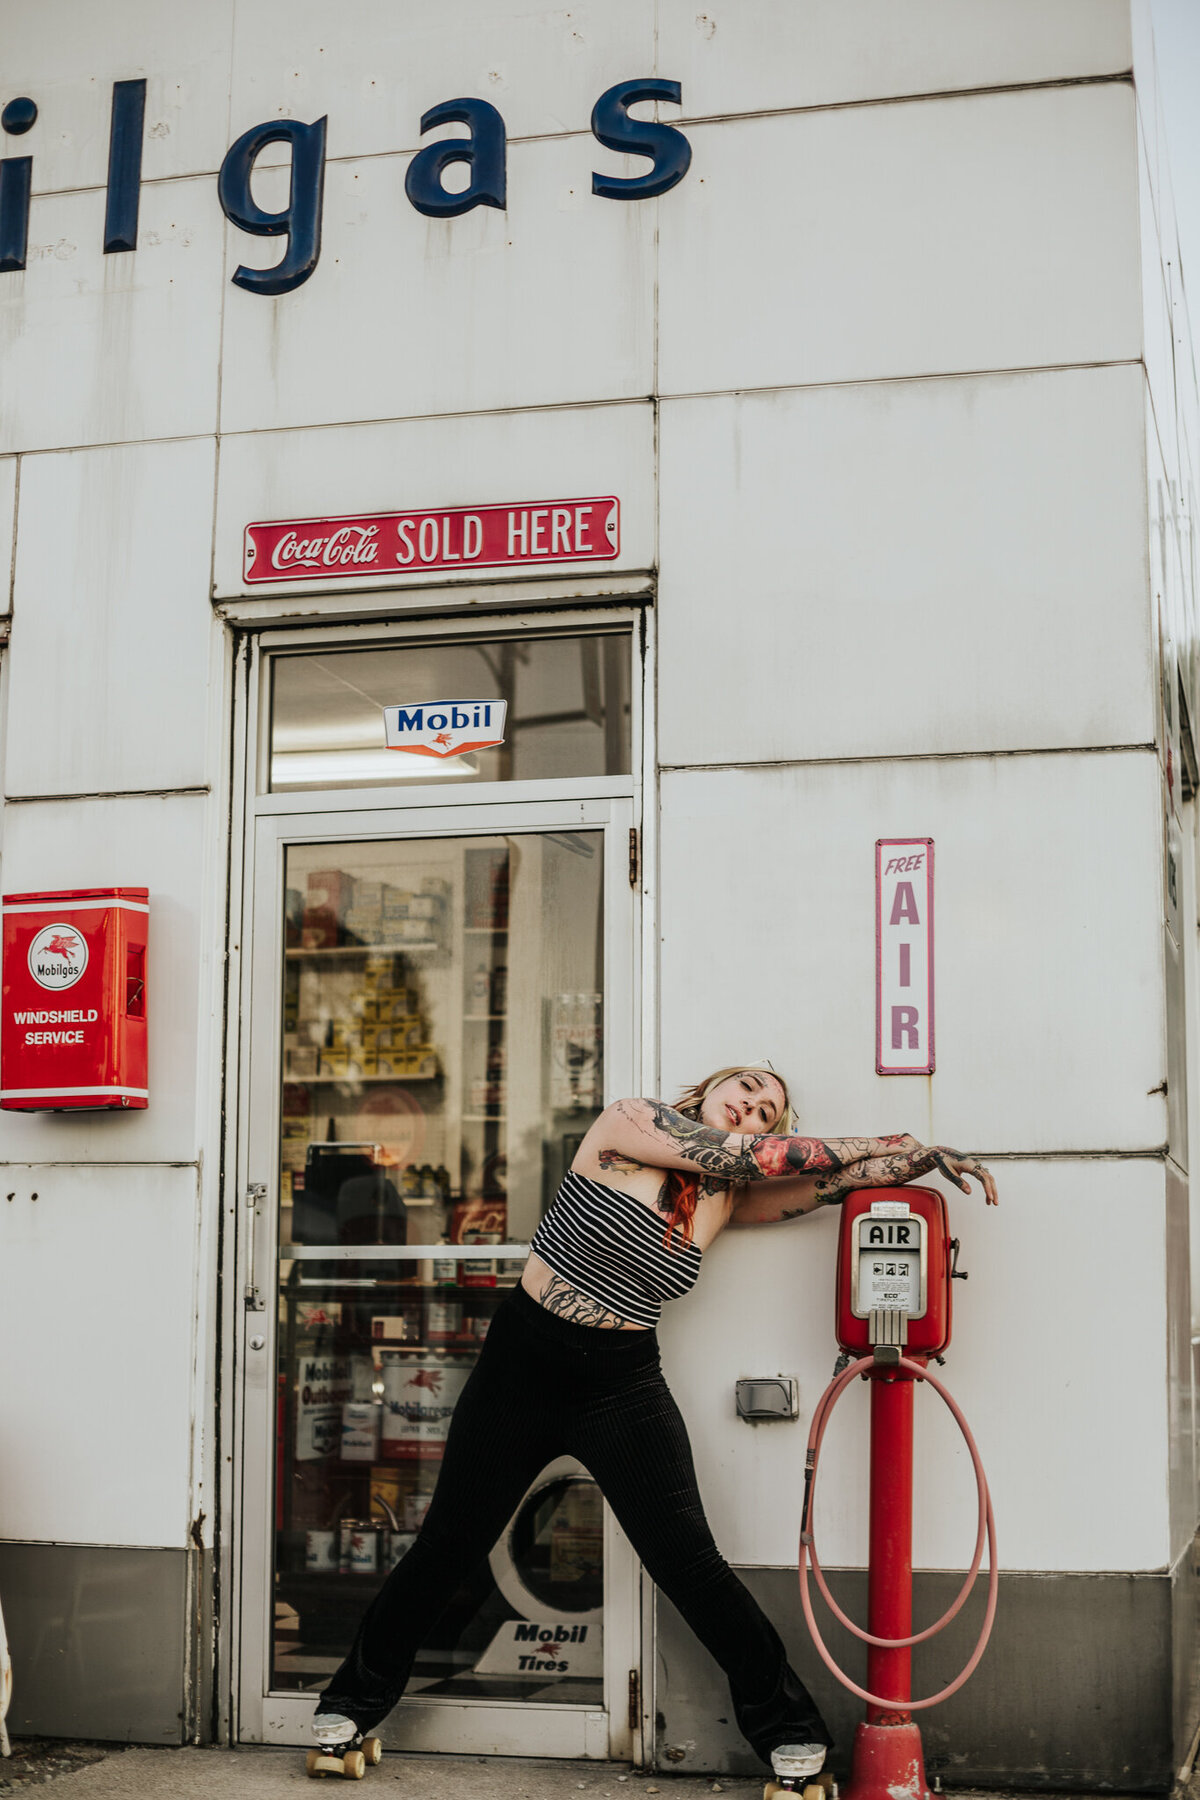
pixel 894 1251
pixel 73 1013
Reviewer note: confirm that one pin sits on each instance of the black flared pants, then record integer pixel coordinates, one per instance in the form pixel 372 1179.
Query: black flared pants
pixel 543 1388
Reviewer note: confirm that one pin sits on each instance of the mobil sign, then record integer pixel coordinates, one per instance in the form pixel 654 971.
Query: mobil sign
pixel 445 727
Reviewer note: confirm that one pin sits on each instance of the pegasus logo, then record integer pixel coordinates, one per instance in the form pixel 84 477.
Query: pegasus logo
pixel 427 1378
pixel 58 956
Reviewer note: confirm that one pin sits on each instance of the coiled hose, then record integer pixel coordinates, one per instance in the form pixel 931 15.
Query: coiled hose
pixel 986 1529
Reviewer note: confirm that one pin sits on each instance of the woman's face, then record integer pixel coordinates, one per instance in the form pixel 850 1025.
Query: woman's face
pixel 751 1102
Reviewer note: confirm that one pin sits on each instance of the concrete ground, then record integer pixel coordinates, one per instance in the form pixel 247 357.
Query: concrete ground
pixel 104 1772
pixel 112 1772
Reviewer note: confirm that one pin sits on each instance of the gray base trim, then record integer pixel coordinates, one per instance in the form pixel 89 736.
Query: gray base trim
pixel 1074 1691
pixel 98 1639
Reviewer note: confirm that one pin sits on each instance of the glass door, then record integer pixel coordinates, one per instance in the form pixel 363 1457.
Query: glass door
pixel 441 1000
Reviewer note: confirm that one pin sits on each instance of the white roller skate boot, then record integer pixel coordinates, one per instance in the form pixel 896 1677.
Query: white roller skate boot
pixel 342 1748
pixel 798 1767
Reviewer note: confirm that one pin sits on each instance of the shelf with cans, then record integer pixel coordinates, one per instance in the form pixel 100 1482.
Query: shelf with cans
pixel 352 1009
pixel 367 1387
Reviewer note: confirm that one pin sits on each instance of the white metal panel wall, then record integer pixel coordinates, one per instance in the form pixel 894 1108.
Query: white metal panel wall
pixel 1022 1364
pixel 904 568
pixel 1047 943
pixel 440 462
pixel 106 678
pixel 104 1295
pixel 991 232
pixel 376 68
pixel 145 841
pixel 96 1329
pixel 548 303
pixel 855 244
pixel 1172 438
pixel 99 349
pixel 826 52
pixel 8 522
pixel 66 58
pixel 1049 1038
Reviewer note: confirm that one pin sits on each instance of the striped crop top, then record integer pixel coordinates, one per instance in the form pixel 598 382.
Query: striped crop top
pixel 609 1246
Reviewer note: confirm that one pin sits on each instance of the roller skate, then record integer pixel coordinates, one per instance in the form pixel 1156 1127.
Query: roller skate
pixel 341 1748
pixel 798 1770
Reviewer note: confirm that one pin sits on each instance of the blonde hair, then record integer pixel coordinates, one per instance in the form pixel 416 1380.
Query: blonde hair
pixel 692 1098
pixel 682 1186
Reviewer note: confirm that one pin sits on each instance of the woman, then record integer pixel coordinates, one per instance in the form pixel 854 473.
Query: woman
pixel 570 1366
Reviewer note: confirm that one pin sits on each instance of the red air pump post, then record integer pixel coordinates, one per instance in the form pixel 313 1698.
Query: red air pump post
pixel 893 1314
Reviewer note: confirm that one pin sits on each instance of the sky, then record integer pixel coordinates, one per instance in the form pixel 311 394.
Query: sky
pixel 1177 52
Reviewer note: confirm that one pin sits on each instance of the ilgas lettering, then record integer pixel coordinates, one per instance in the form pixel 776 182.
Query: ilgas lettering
pixel 483 151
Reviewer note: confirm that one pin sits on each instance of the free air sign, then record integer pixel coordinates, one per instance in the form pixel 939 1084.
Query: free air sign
pixel 455 537
pixel 904 956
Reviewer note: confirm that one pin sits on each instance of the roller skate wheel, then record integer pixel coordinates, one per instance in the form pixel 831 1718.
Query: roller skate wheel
pixel 354 1765
pixel 775 1788
pixel 815 1790
pixel 373 1751
pixel 319 1762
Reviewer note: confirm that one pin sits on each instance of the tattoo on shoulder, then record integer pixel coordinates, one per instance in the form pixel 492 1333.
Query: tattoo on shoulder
pixel 726 1157
pixel 566 1302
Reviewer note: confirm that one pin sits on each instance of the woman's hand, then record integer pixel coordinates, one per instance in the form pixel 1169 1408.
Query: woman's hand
pixel 955 1166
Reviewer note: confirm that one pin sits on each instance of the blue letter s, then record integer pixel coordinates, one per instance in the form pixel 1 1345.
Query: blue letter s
pixel 668 148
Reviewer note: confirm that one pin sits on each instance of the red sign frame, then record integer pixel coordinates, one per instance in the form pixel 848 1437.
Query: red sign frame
pixel 455 537
pixel 912 857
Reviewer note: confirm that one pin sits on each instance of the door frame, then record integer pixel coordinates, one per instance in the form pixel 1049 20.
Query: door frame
pixel 624 1729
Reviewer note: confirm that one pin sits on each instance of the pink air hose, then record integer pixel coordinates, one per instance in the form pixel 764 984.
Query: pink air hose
pixel 987 1528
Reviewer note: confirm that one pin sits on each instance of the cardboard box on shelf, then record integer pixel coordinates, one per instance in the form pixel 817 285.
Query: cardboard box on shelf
pixel 362 925
pixel 335 1062
pixel 396 1328
pixel 293 1145
pixel 333 888
pixel 479 1222
pixel 320 928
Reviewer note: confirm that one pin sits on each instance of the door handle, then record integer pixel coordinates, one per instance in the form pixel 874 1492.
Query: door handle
pixel 256 1193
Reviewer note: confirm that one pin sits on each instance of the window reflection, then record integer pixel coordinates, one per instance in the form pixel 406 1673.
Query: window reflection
pixel 442 1057
pixel 568 710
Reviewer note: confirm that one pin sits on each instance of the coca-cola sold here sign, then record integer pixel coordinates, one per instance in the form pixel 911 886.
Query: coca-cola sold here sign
pixel 459 537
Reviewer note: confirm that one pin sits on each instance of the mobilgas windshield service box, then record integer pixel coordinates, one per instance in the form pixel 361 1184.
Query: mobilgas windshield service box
pixel 73 1019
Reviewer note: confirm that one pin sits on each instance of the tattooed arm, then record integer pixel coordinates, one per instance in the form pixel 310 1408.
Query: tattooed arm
pixel 656 1136
pixel 759 1206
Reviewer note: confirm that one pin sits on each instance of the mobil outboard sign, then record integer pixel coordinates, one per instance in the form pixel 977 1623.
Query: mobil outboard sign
pixel 483 149
pixel 445 727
